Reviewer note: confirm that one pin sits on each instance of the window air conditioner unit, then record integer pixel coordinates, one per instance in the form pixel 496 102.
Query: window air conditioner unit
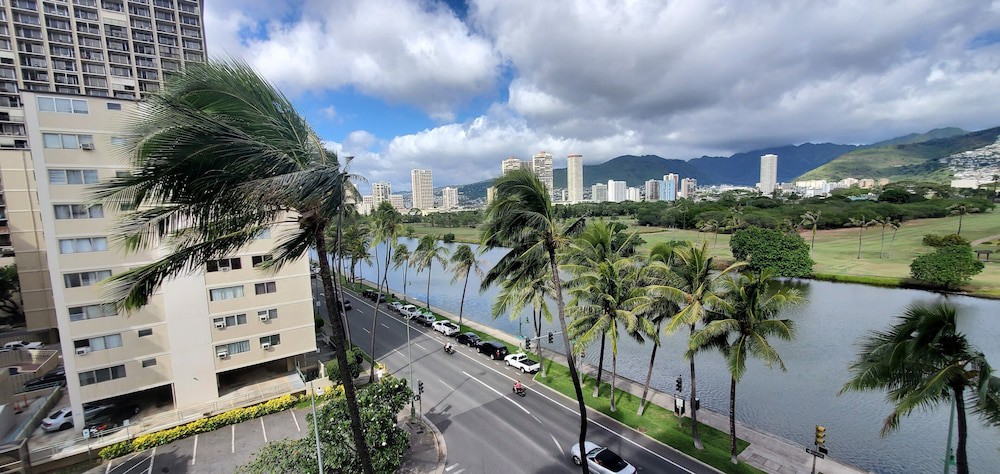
pixel 265 345
pixel 222 354
pixel 225 269
pixel 220 325
pixel 83 350
pixel 264 317
pixel 87 146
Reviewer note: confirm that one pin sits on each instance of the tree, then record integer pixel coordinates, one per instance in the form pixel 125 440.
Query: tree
pixel 427 252
pixel 879 221
pixel 947 267
pixel 464 261
pixel 860 223
pixel 698 292
pixel 10 294
pixel 923 361
pixel 386 222
pixel 522 219
pixel 710 225
pixel 749 317
pixel 658 274
pixel 786 254
pixel 517 293
pixel 353 366
pixel 401 258
pixel 220 155
pixel 894 225
pixel 811 219
pixel 961 210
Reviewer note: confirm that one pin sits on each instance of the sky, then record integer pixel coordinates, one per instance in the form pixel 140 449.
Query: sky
pixel 458 86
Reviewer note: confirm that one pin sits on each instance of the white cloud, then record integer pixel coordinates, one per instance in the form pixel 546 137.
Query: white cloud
pixel 329 112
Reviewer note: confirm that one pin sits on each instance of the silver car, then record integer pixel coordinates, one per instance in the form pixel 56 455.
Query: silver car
pixel 601 460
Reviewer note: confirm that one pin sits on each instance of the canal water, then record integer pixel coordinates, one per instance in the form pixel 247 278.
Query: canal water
pixel 789 404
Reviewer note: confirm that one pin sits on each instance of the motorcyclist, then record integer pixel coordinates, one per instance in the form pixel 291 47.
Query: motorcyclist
pixel 517 386
pixel 448 348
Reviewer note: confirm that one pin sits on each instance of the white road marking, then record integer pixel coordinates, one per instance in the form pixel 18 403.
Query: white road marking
pixel 295 419
pixel 449 468
pixel 366 330
pixel 383 325
pixel 446 385
pixel 232 446
pixel 194 455
pixel 264 428
pixel 151 458
pixel 497 392
pixel 418 345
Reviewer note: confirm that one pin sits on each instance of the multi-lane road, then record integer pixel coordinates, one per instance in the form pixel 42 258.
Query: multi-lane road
pixel 488 429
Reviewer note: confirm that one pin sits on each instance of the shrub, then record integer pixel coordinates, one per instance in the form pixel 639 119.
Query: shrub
pixel 947 266
pixel 448 238
pixel 932 240
pixel 354 359
pixel 787 255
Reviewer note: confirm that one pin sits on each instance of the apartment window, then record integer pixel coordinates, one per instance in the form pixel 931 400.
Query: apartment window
pixel 270 313
pixel 227 293
pixel 83 245
pixel 119 141
pixel 78 211
pixel 273 339
pixel 74 280
pixel 149 362
pixel 94 311
pixel 66 141
pixel 224 265
pixel 234 347
pixel 231 320
pixel 121 71
pixel 61 105
pixel 259 260
pixel 100 343
pixel 114 106
pixel 91 377
pixel 264 288
pixel 73 177
pixel 145 332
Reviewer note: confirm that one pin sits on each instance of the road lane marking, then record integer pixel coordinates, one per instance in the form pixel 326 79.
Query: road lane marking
pixel 264 428
pixel 295 419
pixel 446 385
pixel 152 457
pixel 418 345
pixel 449 468
pixel 383 325
pixel 497 392
pixel 194 455
pixel 232 445
pixel 366 330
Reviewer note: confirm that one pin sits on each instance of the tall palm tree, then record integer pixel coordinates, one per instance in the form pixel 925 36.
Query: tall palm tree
pixel 749 317
pixel 386 222
pixel 961 210
pixel 698 292
pixel 522 219
pixel 924 361
pixel 894 225
pixel 518 293
pixel 401 258
pixel 219 156
pixel 881 222
pixel 811 219
pixel 464 261
pixel 860 222
pixel 658 273
pixel 428 251
pixel 710 225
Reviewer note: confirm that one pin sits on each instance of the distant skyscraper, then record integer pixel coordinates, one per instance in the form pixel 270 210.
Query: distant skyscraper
pixel 367 205
pixel 380 193
pixel 514 164
pixel 652 190
pixel 449 198
pixel 397 203
pixel 422 186
pixel 491 194
pixel 689 188
pixel 599 193
pixel 574 177
pixel 616 191
pixel 670 187
pixel 768 173
pixel 541 166
pixel 632 194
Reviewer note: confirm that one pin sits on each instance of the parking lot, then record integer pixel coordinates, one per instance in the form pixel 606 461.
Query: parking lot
pixel 217 451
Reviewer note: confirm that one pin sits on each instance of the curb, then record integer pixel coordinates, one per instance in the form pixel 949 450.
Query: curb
pixel 442 448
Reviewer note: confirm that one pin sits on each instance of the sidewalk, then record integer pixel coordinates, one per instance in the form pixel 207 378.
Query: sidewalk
pixel 766 452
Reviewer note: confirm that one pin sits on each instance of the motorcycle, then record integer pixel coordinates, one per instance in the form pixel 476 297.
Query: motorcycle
pixel 520 390
pixel 449 349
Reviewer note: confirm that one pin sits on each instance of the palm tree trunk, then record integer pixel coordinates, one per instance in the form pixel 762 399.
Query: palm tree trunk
pixel 461 306
pixel 536 316
pixel 960 216
pixel 716 243
pixel 614 374
pixel 893 239
pixel 694 413
pixel 350 396
pixel 859 241
pixel 570 358
pixel 732 420
pixel 384 284
pixel 600 368
pixel 406 270
pixel 338 288
pixel 812 245
pixel 429 267
pixel 882 247
pixel 378 285
pixel 961 458
pixel 649 376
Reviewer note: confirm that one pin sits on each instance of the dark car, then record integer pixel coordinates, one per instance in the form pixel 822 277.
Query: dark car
pixel 56 377
pixel 112 417
pixel 368 294
pixel 468 338
pixel 347 304
pixel 495 349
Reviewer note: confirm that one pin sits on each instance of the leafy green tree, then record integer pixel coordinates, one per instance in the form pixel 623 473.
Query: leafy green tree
pixel 748 319
pixel 522 219
pixel 10 292
pixel 353 366
pixel 924 361
pixel 785 254
pixel 448 238
pixel 401 258
pixel 219 156
pixel 811 220
pixel 947 267
pixel 428 251
pixel 464 261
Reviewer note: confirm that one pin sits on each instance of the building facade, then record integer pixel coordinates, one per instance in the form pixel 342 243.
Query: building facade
pixel 599 193
pixel 449 198
pixel 541 166
pixel 422 184
pixel 380 193
pixel 768 173
pixel 574 178
pixel 652 190
pixel 513 164
pixel 616 191
pixel 689 188
pixel 670 187
pixel 633 194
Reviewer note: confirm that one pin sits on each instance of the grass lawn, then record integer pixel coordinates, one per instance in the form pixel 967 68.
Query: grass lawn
pixel 468 235
pixel 657 422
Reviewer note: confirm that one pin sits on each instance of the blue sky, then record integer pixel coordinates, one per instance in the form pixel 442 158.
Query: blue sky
pixel 458 86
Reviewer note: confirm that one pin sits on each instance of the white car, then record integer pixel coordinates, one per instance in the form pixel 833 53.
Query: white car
pixel 522 362
pixel 409 311
pixel 447 328
pixel 396 306
pixel 22 345
pixel 62 419
pixel 601 460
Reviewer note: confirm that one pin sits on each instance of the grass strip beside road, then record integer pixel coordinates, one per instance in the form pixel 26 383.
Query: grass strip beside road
pixel 656 422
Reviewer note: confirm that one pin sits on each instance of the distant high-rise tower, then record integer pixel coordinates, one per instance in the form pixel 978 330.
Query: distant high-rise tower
pixel 599 193
pixel 768 173
pixel 449 198
pixel 616 191
pixel 491 194
pixel 422 185
pixel 632 194
pixel 574 177
pixel 689 188
pixel 514 164
pixel 541 166
pixel 380 193
pixel 652 190
pixel 670 187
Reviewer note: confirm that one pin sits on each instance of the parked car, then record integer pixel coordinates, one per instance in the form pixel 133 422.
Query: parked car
pixel 62 419
pixel 409 311
pixel 522 362
pixel 396 306
pixel 368 294
pixel 601 460
pixel 112 417
pixel 426 319
pixel 447 328
pixel 495 349
pixel 57 376
pixel 347 304
pixel 470 339
pixel 23 345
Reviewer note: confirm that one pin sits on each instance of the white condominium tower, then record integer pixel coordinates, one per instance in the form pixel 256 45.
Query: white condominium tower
pixel 380 193
pixel 689 188
pixel 513 164
pixel 599 193
pixel 616 191
pixel 541 166
pixel 768 174
pixel 449 198
pixel 574 177
pixel 422 185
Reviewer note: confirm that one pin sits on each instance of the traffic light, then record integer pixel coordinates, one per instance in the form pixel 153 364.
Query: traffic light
pixel 550 338
pixel 680 383
pixel 697 404
pixel 527 344
pixel 420 386
pixel 820 435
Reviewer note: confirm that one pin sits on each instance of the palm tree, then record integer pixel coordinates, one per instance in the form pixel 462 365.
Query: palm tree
pixel 219 156
pixel 859 222
pixel 386 222
pixel 517 293
pixel 463 261
pixel 924 361
pixel 658 273
pixel 961 210
pixel 734 220
pixel 401 258
pixel 894 225
pixel 710 225
pixel 428 251
pixel 811 219
pixel 522 219
pixel 882 222
pixel 748 315
pixel 698 292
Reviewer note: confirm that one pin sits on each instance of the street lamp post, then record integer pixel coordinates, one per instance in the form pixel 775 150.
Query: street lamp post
pixel 409 353
pixel 312 396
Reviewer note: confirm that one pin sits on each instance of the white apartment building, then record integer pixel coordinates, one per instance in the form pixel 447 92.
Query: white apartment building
pixel 397 203
pixel 689 188
pixel 541 166
pixel 513 164
pixel 574 178
pixel 768 173
pixel 670 188
pixel 449 198
pixel 652 190
pixel 422 186
pixel 202 333
pixel 599 193
pixel 616 191
pixel 633 193
pixel 380 193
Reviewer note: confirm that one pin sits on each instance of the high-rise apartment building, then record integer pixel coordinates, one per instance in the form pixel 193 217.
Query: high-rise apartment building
pixel 670 187
pixel 768 173
pixel 574 178
pixel 599 193
pixel 203 334
pixel 616 191
pixel 449 198
pixel 652 190
pixel 491 194
pixel 514 164
pixel 541 166
pixel 633 193
pixel 689 188
pixel 380 193
pixel 422 186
